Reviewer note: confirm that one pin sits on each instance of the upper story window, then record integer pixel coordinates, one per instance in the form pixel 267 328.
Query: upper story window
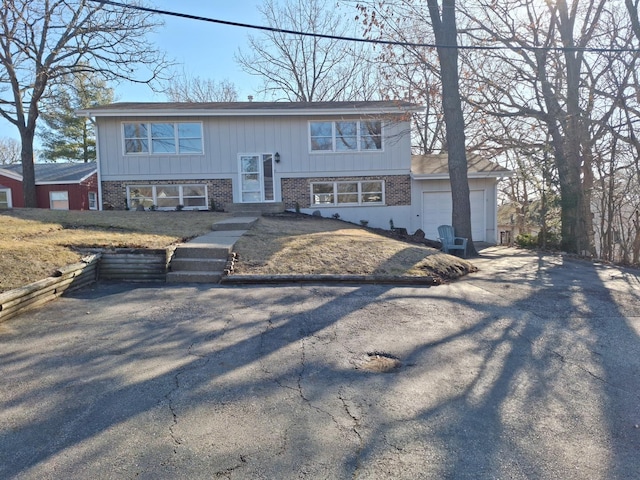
pixel 183 138
pixel 341 136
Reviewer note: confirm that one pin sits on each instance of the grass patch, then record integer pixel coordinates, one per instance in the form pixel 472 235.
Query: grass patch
pixel 298 244
pixel 35 242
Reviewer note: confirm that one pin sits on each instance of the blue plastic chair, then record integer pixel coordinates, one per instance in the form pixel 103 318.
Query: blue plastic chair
pixel 449 240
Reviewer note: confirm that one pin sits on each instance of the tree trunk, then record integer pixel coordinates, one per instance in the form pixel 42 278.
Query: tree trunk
pixel 445 31
pixel 577 222
pixel 28 168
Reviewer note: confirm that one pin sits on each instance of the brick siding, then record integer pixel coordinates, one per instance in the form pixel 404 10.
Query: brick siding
pixel 115 193
pixel 298 190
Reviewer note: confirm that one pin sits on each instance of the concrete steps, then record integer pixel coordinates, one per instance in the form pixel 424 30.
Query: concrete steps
pixel 253 209
pixel 203 259
pixel 234 223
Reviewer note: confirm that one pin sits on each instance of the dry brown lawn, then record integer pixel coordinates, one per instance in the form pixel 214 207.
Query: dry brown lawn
pixel 35 242
pixel 302 244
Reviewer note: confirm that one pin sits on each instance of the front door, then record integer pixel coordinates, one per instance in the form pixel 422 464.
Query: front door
pixel 256 178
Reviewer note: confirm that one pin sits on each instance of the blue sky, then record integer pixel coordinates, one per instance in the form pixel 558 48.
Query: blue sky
pixel 201 48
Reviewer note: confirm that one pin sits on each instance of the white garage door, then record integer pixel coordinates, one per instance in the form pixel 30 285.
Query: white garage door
pixel 436 211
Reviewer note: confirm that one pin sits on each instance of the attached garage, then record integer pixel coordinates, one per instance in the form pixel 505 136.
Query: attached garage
pixel 436 211
pixel 431 195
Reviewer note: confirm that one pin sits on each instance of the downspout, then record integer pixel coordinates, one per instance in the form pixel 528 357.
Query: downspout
pixel 98 165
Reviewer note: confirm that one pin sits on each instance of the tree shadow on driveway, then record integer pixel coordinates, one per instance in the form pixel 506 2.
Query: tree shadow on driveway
pixel 526 370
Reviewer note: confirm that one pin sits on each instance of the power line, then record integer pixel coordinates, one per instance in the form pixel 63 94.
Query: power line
pixel 360 40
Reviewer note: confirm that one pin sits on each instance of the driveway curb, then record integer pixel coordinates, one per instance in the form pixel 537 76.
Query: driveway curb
pixel 338 279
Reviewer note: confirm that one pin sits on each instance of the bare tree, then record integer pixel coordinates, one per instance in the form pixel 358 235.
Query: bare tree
pixel 304 68
pixel 42 41
pixel 9 151
pixel 184 88
pixel 632 8
pixel 444 26
pixel 428 79
pixel 546 75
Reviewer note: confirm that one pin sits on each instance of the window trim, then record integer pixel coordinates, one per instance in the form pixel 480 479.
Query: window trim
pixel 66 192
pixel 181 196
pixel 8 202
pixel 334 137
pixel 94 201
pixel 149 139
pixel 336 194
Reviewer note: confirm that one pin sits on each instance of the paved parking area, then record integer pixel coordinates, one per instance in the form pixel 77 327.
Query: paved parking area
pixel 528 369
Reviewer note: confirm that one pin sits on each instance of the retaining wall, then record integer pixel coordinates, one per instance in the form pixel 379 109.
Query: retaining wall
pixel 124 264
pixel 135 265
pixel 38 293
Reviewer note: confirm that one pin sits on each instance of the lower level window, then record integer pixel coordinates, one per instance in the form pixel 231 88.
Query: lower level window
pixel 370 192
pixel 5 199
pixel 167 197
pixel 93 201
pixel 59 200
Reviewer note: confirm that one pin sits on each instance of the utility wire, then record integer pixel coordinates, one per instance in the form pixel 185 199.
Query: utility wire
pixel 360 40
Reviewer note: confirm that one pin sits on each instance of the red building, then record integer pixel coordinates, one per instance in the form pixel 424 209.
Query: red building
pixel 59 186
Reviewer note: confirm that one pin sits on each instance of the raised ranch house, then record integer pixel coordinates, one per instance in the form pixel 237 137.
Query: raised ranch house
pixel 59 186
pixel 352 159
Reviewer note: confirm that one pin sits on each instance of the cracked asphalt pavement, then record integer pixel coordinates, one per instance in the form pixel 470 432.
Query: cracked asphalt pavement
pixel 527 369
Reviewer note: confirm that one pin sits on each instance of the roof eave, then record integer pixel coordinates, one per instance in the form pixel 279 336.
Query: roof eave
pixel 174 112
pixel 10 174
pixel 59 182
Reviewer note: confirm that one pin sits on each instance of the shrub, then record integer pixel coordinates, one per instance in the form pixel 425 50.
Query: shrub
pixel 526 240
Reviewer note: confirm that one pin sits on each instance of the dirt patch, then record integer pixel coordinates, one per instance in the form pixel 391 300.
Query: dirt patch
pixel 378 362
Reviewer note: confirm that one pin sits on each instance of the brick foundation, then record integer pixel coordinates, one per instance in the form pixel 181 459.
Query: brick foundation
pixel 298 190
pixel 218 190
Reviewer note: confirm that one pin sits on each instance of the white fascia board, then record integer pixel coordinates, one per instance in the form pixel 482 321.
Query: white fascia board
pixel 307 112
pixel 87 176
pixel 10 174
pixel 77 182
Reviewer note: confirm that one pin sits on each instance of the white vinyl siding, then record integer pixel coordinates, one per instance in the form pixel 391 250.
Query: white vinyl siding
pixel 163 138
pixel 167 197
pixel 225 138
pixel 369 192
pixel 345 136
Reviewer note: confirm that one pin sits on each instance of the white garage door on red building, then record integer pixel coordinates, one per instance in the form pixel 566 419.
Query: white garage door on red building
pixel 436 211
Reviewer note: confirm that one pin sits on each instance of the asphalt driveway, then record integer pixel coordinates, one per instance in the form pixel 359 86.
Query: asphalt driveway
pixel 529 368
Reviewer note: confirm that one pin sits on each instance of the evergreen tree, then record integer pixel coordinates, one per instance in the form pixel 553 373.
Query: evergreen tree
pixel 65 135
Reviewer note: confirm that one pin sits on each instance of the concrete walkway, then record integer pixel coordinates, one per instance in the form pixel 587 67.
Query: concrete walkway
pixel 204 259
